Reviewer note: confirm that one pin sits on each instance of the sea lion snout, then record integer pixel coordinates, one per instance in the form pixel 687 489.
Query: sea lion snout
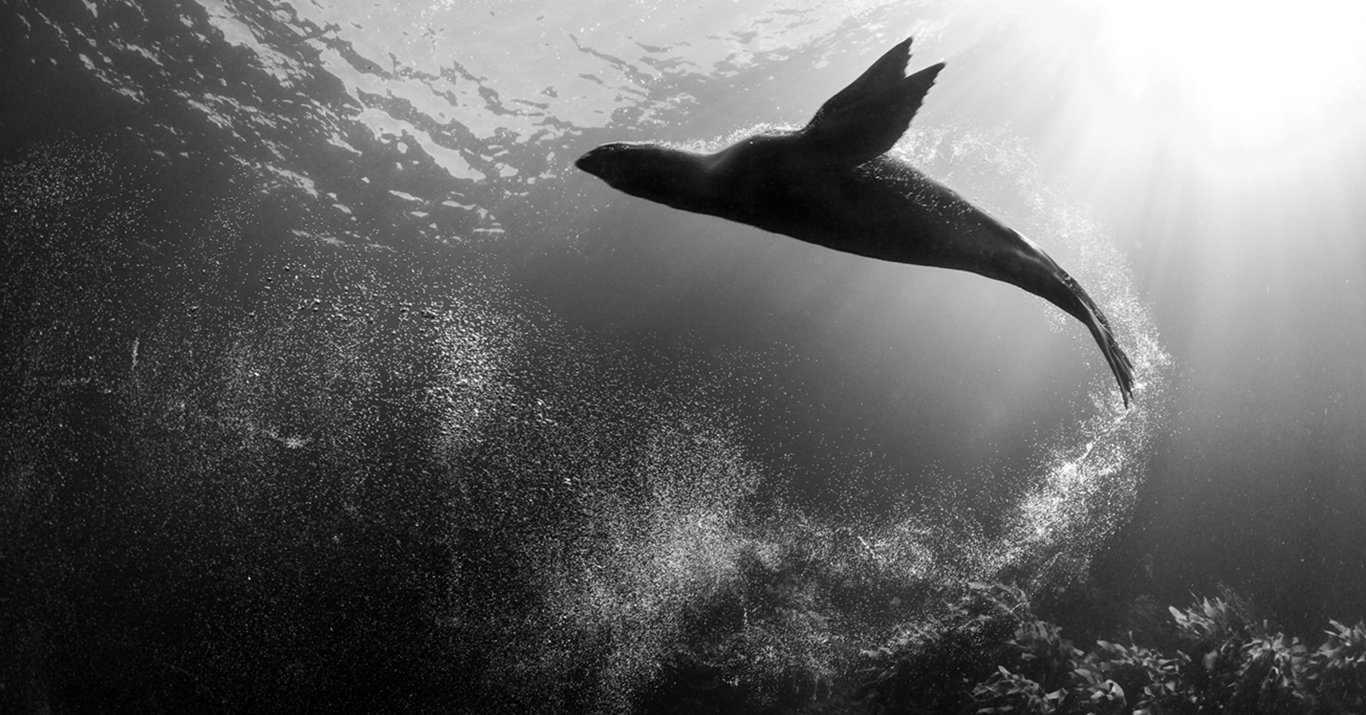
pixel 600 161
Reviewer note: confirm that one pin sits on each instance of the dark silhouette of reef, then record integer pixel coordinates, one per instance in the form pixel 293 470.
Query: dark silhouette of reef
pixel 990 653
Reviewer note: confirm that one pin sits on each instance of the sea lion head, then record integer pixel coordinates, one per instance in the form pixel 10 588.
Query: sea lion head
pixel 650 171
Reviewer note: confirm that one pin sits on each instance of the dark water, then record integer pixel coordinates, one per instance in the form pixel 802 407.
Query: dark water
pixel 330 385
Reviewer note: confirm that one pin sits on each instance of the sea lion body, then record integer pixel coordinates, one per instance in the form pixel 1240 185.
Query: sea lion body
pixel 833 184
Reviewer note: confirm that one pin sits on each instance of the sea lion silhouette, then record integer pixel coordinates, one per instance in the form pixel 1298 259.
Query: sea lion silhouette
pixel 833 184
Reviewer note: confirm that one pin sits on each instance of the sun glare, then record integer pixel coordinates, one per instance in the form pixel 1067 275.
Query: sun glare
pixel 1245 74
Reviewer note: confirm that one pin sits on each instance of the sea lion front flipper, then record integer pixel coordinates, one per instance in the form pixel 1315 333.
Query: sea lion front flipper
pixel 865 119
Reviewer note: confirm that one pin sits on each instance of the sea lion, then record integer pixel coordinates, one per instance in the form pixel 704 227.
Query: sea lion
pixel 833 184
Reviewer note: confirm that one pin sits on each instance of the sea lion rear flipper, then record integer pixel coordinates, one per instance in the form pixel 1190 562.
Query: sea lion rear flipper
pixel 865 119
pixel 1029 267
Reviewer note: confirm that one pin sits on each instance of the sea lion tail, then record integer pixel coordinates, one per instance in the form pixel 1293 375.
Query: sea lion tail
pixel 1035 271
pixel 1095 321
